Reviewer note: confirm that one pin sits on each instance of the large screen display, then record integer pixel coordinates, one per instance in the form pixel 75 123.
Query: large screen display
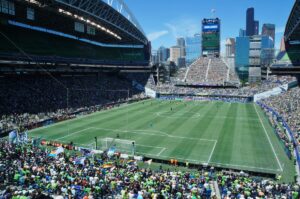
pixel 211 36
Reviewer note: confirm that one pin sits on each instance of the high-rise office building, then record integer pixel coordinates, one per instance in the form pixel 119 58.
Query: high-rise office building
pixel 154 58
pixel 230 47
pixel 192 48
pixel 256 27
pixel 250 22
pixel 163 54
pixel 269 30
pixel 242 33
pixel 181 44
pixel 175 53
pixel 253 51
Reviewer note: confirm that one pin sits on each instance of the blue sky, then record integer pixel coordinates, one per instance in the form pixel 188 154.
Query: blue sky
pixel 164 20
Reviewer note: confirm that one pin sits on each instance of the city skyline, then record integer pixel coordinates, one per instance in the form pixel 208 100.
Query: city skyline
pixel 182 19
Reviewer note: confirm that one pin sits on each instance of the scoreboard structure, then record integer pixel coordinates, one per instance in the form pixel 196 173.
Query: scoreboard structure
pixel 211 31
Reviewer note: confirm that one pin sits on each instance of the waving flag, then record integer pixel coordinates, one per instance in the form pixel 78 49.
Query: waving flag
pixel 149 162
pixel 80 160
pixel 86 152
pixel 56 152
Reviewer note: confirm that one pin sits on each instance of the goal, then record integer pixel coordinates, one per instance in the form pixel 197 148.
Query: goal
pixel 120 145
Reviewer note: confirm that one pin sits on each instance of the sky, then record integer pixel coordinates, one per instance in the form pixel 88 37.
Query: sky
pixel 165 20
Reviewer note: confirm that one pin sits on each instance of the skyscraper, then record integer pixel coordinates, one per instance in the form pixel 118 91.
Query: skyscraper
pixel 230 47
pixel 192 48
pixel 175 54
pixel 181 44
pixel 253 51
pixel 256 27
pixel 163 54
pixel 250 22
pixel 269 30
pixel 242 33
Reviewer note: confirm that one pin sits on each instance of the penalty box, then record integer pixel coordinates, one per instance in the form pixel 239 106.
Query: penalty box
pixel 159 144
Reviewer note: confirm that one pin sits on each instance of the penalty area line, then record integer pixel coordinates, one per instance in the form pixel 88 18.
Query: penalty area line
pixel 161 151
pixel 212 151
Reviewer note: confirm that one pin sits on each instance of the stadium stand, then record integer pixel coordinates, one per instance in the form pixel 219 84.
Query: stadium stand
pixel 33 99
pixel 29 99
pixel 272 82
pixel 197 71
pixel 288 106
pixel 30 172
pixel 208 71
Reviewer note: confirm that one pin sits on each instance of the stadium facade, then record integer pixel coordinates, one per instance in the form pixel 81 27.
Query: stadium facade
pixel 288 59
pixel 69 54
pixel 211 35
pixel 84 32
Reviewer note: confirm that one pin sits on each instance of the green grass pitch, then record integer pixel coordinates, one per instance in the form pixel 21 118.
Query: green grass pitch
pixel 231 135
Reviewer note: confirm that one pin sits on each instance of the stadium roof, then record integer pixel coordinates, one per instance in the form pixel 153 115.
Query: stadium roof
pixel 112 12
pixel 292 30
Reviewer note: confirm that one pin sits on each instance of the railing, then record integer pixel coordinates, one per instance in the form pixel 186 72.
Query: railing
pixel 286 126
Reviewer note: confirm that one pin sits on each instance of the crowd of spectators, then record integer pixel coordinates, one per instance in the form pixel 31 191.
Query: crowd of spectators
pixel 197 72
pixel 208 71
pixel 247 91
pixel 287 106
pixel 28 171
pixel 27 99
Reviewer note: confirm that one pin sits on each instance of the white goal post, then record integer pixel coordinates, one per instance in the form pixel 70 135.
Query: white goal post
pixel 121 145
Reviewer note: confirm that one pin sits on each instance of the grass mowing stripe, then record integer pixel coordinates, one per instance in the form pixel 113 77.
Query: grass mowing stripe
pixel 183 144
pixel 240 144
pixel 108 122
pixel 79 122
pixel 89 115
pixel 268 138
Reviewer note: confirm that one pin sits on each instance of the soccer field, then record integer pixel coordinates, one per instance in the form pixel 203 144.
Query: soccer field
pixel 231 135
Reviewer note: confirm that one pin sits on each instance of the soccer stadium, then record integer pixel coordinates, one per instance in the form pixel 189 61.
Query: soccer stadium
pixel 86 111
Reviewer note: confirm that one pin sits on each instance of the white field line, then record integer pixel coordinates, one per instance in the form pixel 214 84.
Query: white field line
pixel 243 166
pixel 169 157
pixel 212 151
pixel 157 147
pixel 70 134
pixel 268 138
pixel 161 151
pixel 214 163
pixel 143 132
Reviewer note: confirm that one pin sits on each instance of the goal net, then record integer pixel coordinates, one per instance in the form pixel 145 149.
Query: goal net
pixel 120 145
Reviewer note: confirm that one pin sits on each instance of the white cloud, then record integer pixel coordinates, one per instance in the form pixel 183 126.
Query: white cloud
pixel 156 35
pixel 184 27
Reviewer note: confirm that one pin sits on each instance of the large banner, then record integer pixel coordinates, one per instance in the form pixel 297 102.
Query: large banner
pixel 274 91
pixel 149 92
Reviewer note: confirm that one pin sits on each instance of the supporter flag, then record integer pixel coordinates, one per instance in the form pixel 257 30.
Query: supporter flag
pixel 131 162
pixel 149 162
pixel 80 160
pixel 86 152
pixel 12 136
pixel 56 152
pixel 107 166
pixel 111 151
